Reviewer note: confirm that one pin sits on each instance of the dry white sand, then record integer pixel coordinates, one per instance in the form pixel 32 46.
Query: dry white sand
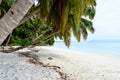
pixel 13 67
pixel 81 65
pixel 77 65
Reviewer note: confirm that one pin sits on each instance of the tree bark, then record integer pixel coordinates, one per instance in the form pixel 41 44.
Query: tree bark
pixel 8 40
pixel 13 17
pixel 29 15
pixel 0 1
pixel 26 17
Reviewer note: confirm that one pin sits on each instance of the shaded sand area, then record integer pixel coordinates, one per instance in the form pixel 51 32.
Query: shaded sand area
pixel 74 65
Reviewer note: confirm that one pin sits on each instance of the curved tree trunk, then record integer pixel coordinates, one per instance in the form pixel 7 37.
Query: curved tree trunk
pixel 13 17
pixel 0 1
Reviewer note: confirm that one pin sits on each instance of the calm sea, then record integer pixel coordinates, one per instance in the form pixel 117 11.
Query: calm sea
pixel 99 46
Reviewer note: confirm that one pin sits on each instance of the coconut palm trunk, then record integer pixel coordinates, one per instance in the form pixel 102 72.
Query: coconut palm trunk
pixel 0 1
pixel 13 17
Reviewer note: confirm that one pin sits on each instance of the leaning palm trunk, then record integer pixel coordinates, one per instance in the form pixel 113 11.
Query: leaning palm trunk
pixel 0 1
pixel 13 17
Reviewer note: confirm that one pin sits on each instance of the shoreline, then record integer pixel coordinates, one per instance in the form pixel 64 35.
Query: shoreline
pixel 77 65
pixel 85 66
pixel 107 54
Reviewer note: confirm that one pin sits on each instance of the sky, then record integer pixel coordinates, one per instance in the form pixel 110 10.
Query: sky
pixel 106 21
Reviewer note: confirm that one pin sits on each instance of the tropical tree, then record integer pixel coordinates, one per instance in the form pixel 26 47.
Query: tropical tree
pixel 68 16
pixel 13 17
pixel 24 33
pixel 61 16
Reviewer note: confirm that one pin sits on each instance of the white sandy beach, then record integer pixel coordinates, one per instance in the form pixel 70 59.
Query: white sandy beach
pixel 77 65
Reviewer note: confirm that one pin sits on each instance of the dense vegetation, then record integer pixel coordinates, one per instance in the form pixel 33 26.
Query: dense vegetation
pixel 68 16
pixel 26 32
pixel 62 16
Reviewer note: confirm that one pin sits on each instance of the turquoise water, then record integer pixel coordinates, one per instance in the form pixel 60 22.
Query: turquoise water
pixel 99 46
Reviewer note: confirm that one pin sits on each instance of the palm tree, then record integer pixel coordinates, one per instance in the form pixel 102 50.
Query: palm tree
pixel 63 16
pixel 13 17
pixel 68 16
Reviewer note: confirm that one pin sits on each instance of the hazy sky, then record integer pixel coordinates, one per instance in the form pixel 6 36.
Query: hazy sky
pixel 107 20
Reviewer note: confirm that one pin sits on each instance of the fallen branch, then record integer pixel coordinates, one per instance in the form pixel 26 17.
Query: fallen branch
pixel 21 47
pixel 32 42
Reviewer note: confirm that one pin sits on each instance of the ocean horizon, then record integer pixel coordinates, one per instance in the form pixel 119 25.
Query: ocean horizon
pixel 109 47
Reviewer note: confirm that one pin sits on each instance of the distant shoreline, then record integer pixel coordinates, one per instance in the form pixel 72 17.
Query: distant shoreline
pixel 76 65
pixel 84 65
pixel 109 47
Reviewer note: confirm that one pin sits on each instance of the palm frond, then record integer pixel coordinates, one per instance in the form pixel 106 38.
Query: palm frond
pixel 66 15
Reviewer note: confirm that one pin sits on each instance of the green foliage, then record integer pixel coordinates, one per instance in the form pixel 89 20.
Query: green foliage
pixel 67 16
pixel 16 40
pixel 29 31
pixel 86 25
pixel 50 41
pixel 5 6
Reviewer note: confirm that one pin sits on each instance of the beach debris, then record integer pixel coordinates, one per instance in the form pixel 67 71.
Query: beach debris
pixel 50 58
pixel 34 59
